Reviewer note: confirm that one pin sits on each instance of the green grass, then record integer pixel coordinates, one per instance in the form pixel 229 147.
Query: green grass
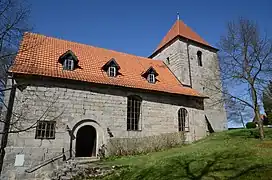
pixel 234 154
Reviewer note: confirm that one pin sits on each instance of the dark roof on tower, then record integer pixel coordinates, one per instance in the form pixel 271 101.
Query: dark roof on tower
pixel 39 55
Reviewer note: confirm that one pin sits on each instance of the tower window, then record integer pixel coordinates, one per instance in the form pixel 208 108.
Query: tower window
pixel 112 71
pixel 168 60
pixel 68 64
pixel 151 78
pixel 199 58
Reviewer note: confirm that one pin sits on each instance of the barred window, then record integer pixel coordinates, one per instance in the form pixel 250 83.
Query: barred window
pixel 45 130
pixel 133 113
pixel 183 120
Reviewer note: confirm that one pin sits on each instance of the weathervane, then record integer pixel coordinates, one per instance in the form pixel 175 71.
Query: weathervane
pixel 177 15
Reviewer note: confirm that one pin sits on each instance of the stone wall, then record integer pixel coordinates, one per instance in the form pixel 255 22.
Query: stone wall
pixel 75 104
pixel 205 79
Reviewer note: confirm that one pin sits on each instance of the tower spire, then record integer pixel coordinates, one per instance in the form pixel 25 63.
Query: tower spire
pixel 177 15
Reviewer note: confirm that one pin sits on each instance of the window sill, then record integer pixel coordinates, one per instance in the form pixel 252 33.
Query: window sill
pixel 134 130
pixel 45 138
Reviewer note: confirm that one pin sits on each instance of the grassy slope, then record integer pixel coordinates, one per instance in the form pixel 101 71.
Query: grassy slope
pixel 228 155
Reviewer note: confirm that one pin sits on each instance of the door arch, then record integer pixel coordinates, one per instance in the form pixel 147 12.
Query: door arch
pixel 86 141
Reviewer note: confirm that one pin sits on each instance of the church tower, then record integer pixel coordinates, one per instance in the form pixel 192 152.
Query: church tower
pixel 195 63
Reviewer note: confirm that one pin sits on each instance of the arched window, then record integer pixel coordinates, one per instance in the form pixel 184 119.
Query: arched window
pixel 183 120
pixel 133 113
pixel 199 58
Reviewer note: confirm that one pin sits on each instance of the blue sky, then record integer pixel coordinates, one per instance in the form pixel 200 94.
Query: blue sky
pixel 138 26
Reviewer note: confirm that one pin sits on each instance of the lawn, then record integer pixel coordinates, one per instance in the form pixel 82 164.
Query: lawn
pixel 234 154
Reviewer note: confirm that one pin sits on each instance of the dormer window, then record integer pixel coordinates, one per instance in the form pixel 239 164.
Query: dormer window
pixel 68 60
pixel 111 67
pixel 112 71
pixel 150 75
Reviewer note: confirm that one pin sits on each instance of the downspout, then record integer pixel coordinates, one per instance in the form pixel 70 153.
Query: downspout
pixel 189 64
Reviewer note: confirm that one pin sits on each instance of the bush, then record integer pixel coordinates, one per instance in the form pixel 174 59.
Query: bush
pixel 250 125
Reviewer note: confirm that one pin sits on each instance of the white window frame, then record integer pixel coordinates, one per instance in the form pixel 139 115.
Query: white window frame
pixel 68 64
pixel 112 71
pixel 151 78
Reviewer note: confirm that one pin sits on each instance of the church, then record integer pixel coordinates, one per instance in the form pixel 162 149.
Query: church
pixel 74 98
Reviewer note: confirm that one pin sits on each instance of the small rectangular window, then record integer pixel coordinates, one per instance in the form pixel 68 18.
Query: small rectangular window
pixel 45 130
pixel 112 71
pixel 199 58
pixel 68 64
pixel 151 78
pixel 168 60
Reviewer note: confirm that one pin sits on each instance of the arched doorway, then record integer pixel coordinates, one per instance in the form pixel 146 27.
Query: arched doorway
pixel 86 141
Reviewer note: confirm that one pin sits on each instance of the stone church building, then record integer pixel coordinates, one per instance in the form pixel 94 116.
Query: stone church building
pixel 74 98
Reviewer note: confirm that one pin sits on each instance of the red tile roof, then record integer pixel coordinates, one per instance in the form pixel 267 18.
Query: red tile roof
pixel 39 54
pixel 181 29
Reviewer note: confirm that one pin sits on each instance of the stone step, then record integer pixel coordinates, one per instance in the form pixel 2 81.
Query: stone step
pixel 66 177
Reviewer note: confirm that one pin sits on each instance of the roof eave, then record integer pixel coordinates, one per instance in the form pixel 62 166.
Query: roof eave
pixel 20 74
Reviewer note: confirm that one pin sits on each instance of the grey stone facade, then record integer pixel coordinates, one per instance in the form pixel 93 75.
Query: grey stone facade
pixel 205 79
pixel 75 104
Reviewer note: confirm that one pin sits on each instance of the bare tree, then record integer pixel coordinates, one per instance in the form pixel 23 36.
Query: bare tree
pixel 245 65
pixel 14 16
pixel 13 23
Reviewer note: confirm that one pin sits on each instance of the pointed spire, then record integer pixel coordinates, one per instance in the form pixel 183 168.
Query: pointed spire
pixel 181 29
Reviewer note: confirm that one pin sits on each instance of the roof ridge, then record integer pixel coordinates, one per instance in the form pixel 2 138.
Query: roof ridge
pixel 79 43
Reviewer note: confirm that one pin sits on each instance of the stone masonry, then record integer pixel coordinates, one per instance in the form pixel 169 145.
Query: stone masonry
pixel 75 104
pixel 205 79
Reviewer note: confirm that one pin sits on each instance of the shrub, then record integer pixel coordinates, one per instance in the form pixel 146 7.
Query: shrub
pixel 250 125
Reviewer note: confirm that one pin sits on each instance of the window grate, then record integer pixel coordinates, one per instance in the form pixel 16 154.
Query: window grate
pixel 133 113
pixel 45 130
pixel 183 120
